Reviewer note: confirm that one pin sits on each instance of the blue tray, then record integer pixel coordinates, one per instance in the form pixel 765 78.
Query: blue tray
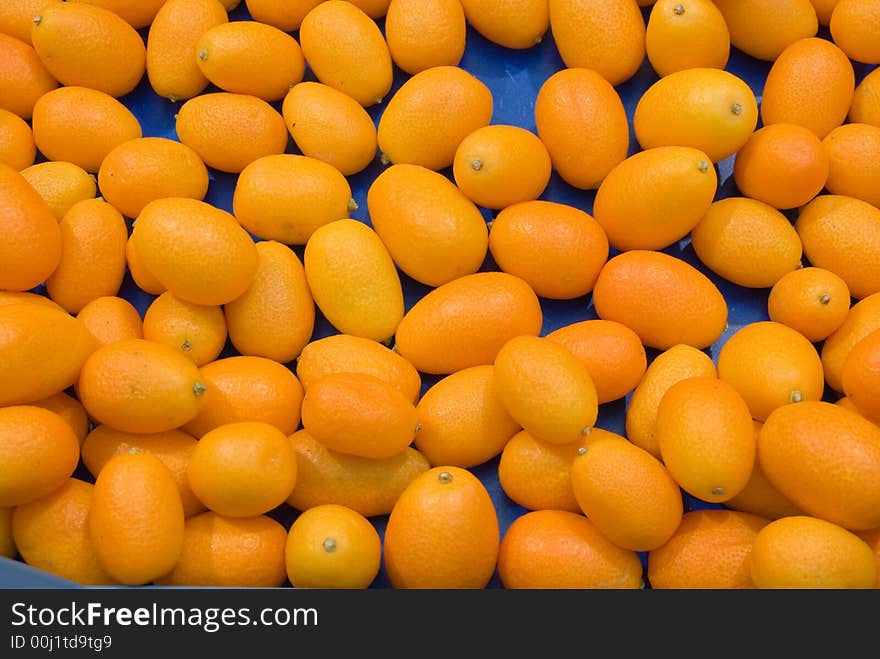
pixel 514 78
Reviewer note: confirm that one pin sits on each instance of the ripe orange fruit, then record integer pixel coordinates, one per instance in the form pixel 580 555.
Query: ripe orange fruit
pixel 93 237
pixel 708 109
pixel 442 532
pixel 462 421
pixel 17 148
pixel 229 552
pixel 545 388
pixel 516 25
pixel 242 469
pixel 861 375
pixel 31 247
pixel 853 26
pixel 51 534
pixel 710 549
pixel 7 543
pixel 17 297
pixel 247 388
pixel 763 29
pixel 581 120
pixel 69 409
pixel 370 486
pixel 814 301
pixel 561 549
pixel 353 279
pixel 81 125
pixel 172 70
pixel 168 385
pixel 811 85
pixel 340 353
pixel 143 169
pixel 872 537
pixel 173 447
pixel 499 165
pixel 854 153
pixel 466 321
pixel 805 552
pixel 431 229
pixel 706 437
pixel 329 125
pixel 283 14
pixel 655 197
pixel 608 37
pixel 372 8
pixel 862 319
pixel 746 241
pixel 111 318
pixel 136 14
pixel 86 45
pixel 771 365
pixel 346 50
pixel 672 365
pixel 627 493
pixel 423 34
pixel 285 197
pixel 61 184
pixel 33 368
pixel 673 302
pixel 865 106
pixel 686 35
pixel 612 352
pixel 826 460
pixel 23 76
pixel 524 237
pixel 197 251
pixel 430 114
pixel 359 414
pixel 783 165
pixel 842 234
pixel 136 519
pixel 275 316
pixel 197 331
pixel 537 475
pixel 229 54
pixel 143 278
pixel 38 453
pixel 846 403
pixel 16 17
pixel 230 131
pixel 331 546
pixel 824 8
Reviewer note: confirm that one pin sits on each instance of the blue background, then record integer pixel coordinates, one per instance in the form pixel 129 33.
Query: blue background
pixel 514 77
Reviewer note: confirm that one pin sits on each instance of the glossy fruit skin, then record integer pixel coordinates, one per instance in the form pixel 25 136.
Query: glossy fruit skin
pixel 198 331
pixel 329 125
pixel 684 36
pixel 16 18
pixel 143 278
pixel 811 84
pixel 607 37
pixel 661 298
pixel 197 251
pixel 346 50
pixel 81 125
pixel 431 229
pixel 230 53
pixel 830 470
pixel 229 131
pixel 442 532
pixel 424 34
pixel 17 148
pixel 516 25
pixel 581 120
pixel 286 15
pixel 853 26
pixel 87 45
pixel 32 368
pixel 812 300
pixel 805 552
pixel 368 485
pixel 25 78
pixel 136 521
pixel 31 248
pixel 525 236
pixel 840 233
pixel 168 382
pixel 430 114
pixel 359 414
pixel 862 319
pixel 865 106
pixel 655 197
pixel 69 409
pixel 172 70
pixel 704 108
pixel 854 153
pixel 40 452
pixel 353 279
pixel 466 321
pixel 61 184
pixel 860 376
pixel 781 23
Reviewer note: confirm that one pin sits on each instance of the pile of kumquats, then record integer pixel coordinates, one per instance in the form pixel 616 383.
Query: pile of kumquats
pixel 215 435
